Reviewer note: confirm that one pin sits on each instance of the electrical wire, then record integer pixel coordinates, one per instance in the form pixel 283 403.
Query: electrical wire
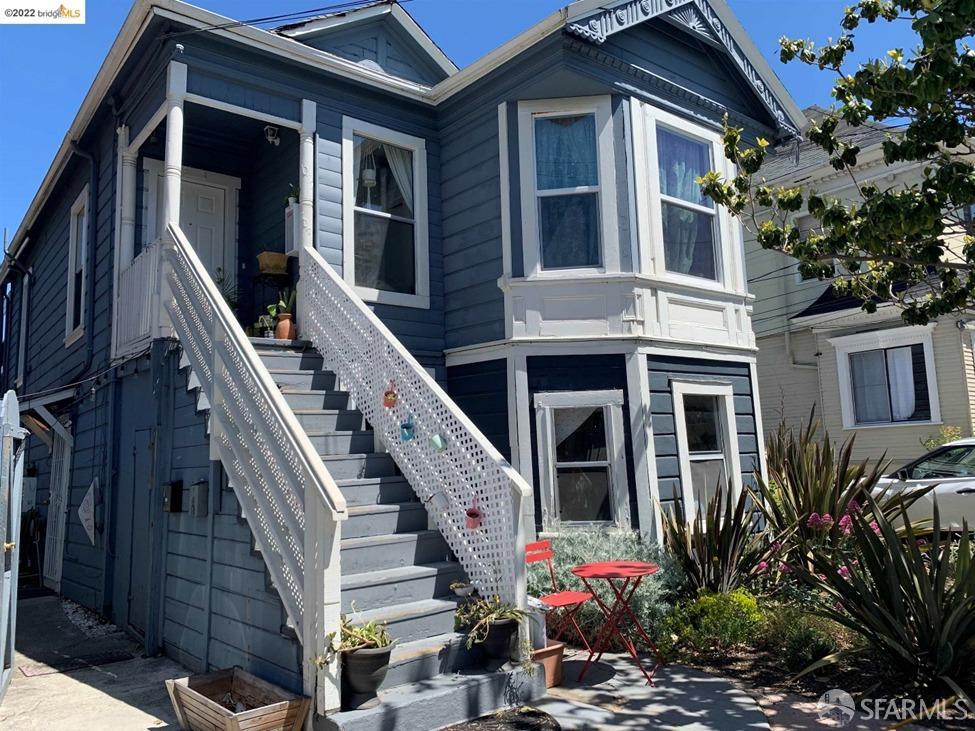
pixel 55 389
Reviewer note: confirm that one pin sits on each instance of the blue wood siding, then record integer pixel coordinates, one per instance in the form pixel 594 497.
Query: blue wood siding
pixel 380 45
pixel 548 373
pixel 481 391
pixel 662 371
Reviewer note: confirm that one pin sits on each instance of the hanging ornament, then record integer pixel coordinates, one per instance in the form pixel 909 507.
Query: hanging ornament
pixel 407 429
pixel 439 442
pixel 473 515
pixel 390 397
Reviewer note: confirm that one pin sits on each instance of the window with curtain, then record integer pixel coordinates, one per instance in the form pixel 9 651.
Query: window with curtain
pixel 583 471
pixel 705 445
pixel 689 218
pixel 567 190
pixel 890 385
pixel 385 219
pixel 77 260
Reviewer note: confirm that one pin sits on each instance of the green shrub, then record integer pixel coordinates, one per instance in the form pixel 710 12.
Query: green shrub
pixel 797 637
pixel 711 623
pixel 573 547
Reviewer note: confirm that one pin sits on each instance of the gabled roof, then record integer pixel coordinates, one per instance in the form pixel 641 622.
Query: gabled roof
pixel 381 9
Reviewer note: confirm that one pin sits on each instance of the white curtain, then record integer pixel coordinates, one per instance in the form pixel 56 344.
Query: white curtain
pixel 870 386
pixel 401 164
pixel 900 370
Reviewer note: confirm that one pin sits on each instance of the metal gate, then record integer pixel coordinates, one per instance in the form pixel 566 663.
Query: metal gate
pixel 11 481
pixel 57 508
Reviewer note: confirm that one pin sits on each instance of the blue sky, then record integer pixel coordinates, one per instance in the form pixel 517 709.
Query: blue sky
pixel 45 71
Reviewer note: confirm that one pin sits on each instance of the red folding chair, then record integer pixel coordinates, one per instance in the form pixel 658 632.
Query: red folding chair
pixel 569 602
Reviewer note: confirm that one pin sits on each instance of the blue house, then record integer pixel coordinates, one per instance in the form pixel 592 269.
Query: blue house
pixel 516 314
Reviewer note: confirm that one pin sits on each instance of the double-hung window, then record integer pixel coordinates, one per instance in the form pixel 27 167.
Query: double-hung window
pixel 580 450
pixel 77 263
pixel 707 441
pixel 887 377
pixel 568 188
pixel 384 218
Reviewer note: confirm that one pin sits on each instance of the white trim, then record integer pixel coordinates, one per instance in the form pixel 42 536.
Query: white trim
pixel 729 436
pixel 601 108
pixel 505 190
pixel 644 452
pixel 22 334
pixel 728 247
pixel 417 145
pixel 611 404
pixel 205 101
pixel 877 340
pixel 757 416
pixel 79 210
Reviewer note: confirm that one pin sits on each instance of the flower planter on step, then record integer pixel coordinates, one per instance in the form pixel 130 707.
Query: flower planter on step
pixel 551 659
pixel 363 671
pixel 497 644
pixel 232 700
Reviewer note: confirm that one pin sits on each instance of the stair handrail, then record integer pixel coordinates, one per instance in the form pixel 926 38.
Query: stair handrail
pixel 291 501
pixel 466 472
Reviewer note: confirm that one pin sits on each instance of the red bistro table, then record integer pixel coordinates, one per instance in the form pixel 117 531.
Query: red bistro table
pixel 623 577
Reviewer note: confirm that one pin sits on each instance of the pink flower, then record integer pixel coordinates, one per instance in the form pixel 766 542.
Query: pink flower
pixel 853 507
pixel 762 566
pixel 846 524
pixel 814 521
pixel 844 571
pixel 776 547
pixel 827 521
pixel 784 568
pixel 922 541
pixel 838 606
pixel 874 527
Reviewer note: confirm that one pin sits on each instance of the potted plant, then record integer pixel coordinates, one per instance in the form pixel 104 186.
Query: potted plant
pixel 492 624
pixel 365 650
pixel 265 326
pixel 294 192
pixel 550 657
pixel 462 588
pixel 283 310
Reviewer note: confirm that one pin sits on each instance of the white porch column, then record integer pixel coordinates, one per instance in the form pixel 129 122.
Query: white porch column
pixel 306 193
pixel 127 186
pixel 173 168
pixel 644 454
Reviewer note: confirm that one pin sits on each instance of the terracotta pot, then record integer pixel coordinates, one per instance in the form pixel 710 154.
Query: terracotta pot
pixel 363 671
pixel 286 327
pixel 497 644
pixel 551 659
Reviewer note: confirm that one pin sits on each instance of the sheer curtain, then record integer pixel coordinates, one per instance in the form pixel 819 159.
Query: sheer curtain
pixel 900 370
pixel 870 388
pixel 680 161
pixel 565 152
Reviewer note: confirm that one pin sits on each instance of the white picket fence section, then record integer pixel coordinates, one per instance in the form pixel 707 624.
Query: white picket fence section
pixel 289 499
pixel 451 465
pixel 136 285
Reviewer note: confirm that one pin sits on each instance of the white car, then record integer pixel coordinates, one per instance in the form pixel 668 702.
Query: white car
pixel 951 469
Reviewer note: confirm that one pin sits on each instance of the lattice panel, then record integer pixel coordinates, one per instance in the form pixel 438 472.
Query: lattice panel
pixel 463 471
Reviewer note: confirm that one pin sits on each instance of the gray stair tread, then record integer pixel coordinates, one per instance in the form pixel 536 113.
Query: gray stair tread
pixel 351 455
pixel 336 432
pixel 406 610
pixel 400 573
pixel 292 371
pixel 282 344
pixel 353 481
pixel 379 508
pixel 387 540
pixel 409 651
pixel 292 389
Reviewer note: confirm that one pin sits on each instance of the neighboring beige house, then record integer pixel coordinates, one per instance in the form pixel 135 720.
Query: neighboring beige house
pixel 867 374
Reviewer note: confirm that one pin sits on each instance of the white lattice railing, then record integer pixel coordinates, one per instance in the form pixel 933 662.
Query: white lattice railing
pixel 287 496
pixel 135 287
pixel 463 471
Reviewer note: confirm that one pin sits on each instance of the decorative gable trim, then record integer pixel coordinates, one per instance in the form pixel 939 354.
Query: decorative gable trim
pixel 696 16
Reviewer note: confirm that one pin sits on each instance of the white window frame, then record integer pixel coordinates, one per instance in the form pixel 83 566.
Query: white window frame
pixel 728 245
pixel 729 436
pixel 875 340
pixel 611 402
pixel 601 107
pixel 79 209
pixel 421 234
pixel 25 283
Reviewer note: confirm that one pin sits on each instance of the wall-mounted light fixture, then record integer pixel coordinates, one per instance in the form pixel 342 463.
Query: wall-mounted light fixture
pixel 271 135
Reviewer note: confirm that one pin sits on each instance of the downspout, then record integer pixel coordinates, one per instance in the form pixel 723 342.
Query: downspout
pixel 90 265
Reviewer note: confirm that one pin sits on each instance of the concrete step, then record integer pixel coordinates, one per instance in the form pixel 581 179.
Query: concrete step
pixel 375 553
pixel 262 345
pixel 427 658
pixel 389 587
pixel 351 466
pixel 309 400
pixel 341 441
pixel 292 359
pixel 329 420
pixel 377 520
pixel 441 701
pixel 412 620
pixel 303 378
pixel 375 490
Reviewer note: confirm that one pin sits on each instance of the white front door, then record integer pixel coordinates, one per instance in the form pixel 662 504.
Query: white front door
pixel 202 216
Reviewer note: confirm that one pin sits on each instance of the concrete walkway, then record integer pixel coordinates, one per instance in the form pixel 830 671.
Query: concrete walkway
pixel 46 693
pixel 615 697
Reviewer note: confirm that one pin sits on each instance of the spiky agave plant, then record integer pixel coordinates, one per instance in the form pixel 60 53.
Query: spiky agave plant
pixel 912 600
pixel 720 548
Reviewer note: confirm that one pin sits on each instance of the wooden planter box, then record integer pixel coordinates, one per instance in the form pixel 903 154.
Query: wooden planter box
pixel 199 703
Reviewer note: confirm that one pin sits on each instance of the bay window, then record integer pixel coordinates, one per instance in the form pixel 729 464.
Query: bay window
pixel 886 377
pixel 385 252
pixel 568 186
